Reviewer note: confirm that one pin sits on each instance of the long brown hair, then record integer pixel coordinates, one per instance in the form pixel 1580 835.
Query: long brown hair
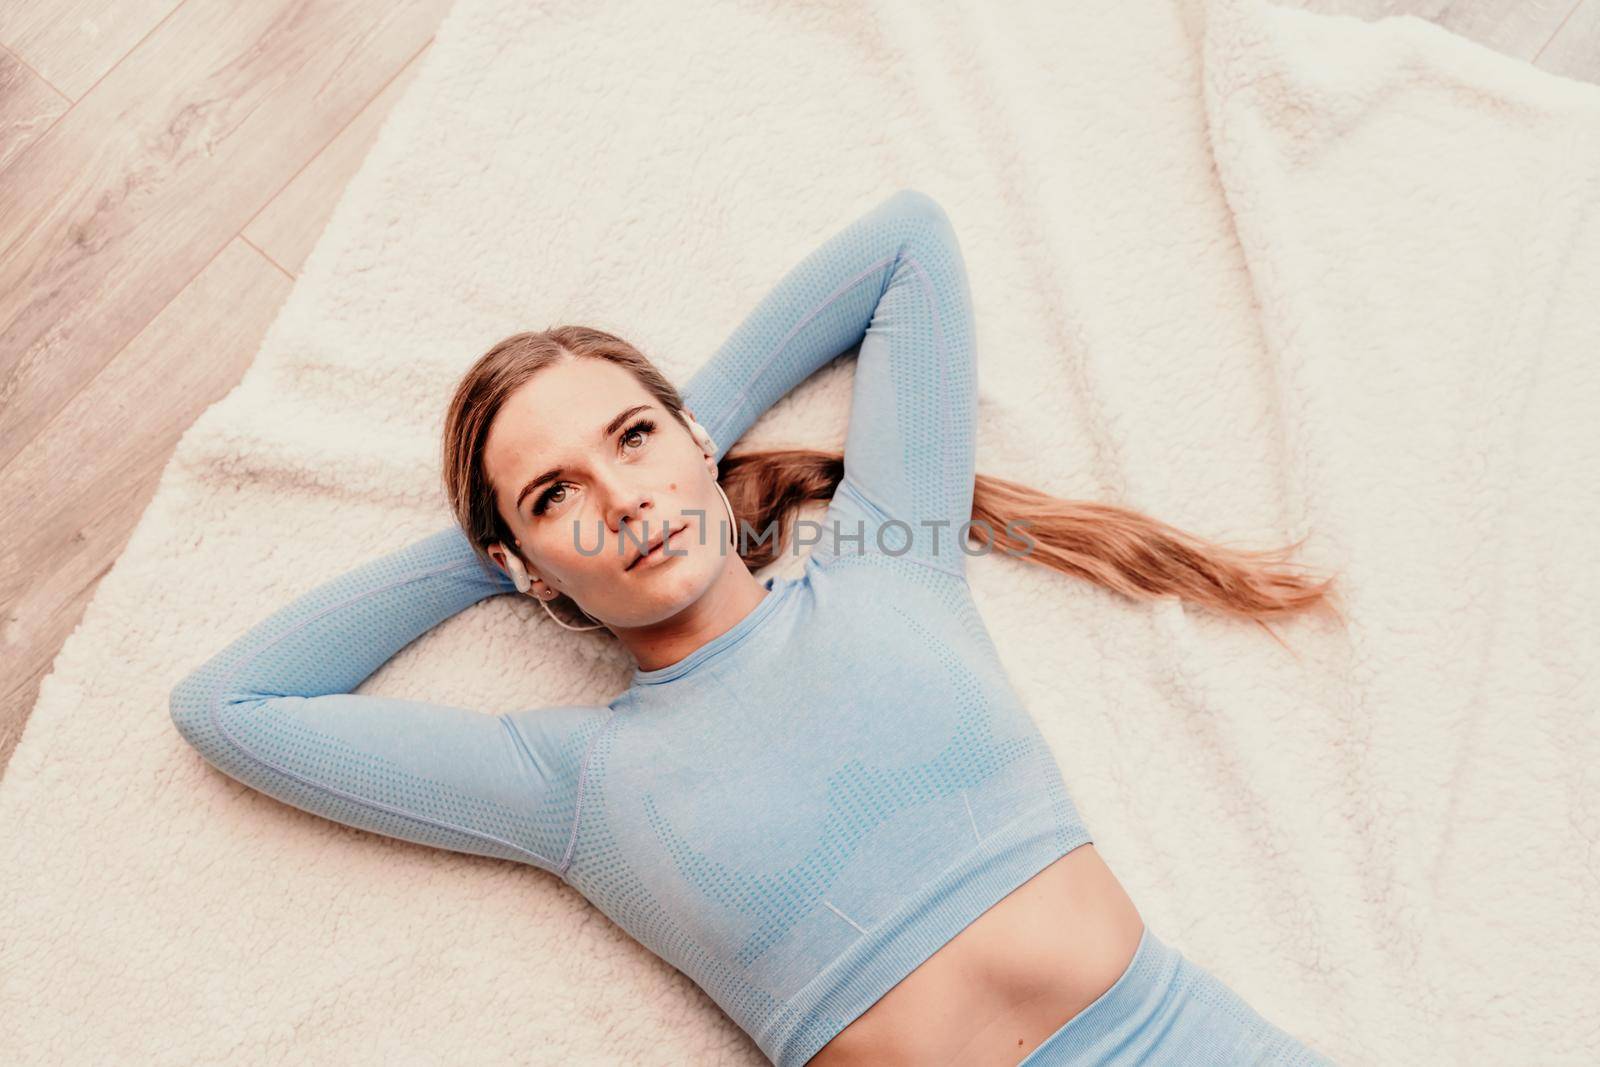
pixel 1112 546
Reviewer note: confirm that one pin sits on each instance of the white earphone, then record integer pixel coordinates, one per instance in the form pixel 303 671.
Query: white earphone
pixel 519 573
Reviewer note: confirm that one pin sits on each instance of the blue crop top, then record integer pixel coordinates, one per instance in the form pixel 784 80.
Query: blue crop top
pixel 805 808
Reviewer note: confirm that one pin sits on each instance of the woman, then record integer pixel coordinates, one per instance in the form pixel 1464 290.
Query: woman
pixel 819 797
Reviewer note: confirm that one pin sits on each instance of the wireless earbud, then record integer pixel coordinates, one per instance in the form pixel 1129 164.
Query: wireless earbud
pixel 703 439
pixel 514 567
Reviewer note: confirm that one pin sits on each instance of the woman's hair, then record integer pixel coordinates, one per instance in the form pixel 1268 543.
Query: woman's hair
pixel 1111 546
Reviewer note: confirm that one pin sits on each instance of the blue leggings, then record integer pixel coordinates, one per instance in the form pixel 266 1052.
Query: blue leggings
pixel 1166 1010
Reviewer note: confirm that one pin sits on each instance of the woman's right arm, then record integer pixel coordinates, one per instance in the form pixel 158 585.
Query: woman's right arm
pixel 275 710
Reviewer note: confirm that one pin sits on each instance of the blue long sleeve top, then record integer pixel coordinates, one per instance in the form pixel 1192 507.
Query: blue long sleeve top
pixel 805 808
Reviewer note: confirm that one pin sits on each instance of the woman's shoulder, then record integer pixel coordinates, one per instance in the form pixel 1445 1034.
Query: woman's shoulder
pixel 877 588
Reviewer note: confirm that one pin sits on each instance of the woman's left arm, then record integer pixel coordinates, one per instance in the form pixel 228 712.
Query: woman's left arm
pixel 894 281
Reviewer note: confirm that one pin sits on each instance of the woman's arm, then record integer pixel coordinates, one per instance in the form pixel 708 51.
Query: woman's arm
pixel 895 281
pixel 275 711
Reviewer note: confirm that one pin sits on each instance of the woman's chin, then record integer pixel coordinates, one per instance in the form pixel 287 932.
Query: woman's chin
pixel 660 592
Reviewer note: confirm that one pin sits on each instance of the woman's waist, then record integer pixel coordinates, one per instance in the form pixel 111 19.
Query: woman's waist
pixel 1008 980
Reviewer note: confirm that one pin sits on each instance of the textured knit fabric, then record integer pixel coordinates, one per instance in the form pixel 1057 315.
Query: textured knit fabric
pixel 1164 1011
pixel 801 811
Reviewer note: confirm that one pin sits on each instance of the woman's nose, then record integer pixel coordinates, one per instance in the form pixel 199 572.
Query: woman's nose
pixel 628 504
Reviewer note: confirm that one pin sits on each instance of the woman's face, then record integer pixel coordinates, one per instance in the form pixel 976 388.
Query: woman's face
pixel 587 467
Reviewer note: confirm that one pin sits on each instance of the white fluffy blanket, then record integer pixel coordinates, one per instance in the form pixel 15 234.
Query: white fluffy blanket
pixel 1258 272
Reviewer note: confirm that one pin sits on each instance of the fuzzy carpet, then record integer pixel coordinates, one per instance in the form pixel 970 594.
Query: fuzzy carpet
pixel 1259 272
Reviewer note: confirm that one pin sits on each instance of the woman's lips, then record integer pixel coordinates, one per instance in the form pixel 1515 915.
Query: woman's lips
pixel 659 555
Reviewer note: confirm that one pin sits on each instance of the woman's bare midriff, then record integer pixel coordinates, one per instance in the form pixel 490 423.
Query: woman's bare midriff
pixel 1010 979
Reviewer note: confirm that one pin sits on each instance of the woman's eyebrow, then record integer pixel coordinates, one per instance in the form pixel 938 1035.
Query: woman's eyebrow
pixel 556 472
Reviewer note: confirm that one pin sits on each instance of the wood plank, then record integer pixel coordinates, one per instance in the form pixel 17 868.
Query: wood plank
pixel 73 43
pixel 1519 28
pixel 1574 51
pixel 73 494
pixel 288 227
pixel 128 197
pixel 28 107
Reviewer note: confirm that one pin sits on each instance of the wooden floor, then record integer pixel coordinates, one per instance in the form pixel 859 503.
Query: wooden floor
pixel 165 166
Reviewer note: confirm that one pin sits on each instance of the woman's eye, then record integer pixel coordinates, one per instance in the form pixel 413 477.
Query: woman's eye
pixel 545 498
pixel 642 427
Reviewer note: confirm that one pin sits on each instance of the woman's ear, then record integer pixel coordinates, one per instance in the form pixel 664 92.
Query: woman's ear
pixel 512 566
pixel 701 437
